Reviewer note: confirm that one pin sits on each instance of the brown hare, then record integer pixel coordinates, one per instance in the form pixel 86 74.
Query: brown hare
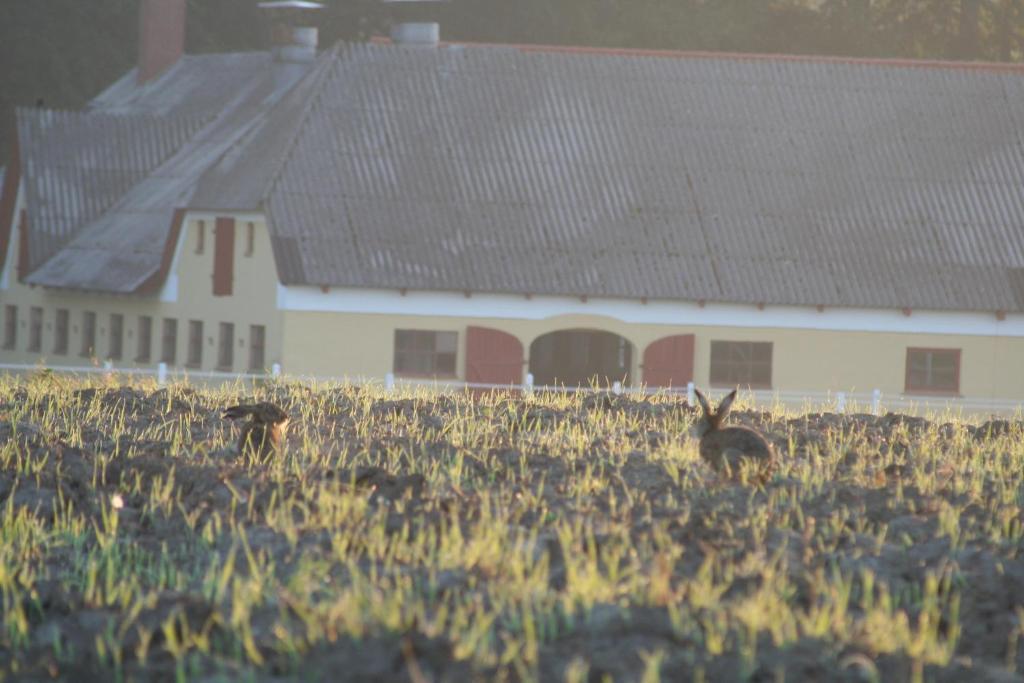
pixel 265 430
pixel 732 451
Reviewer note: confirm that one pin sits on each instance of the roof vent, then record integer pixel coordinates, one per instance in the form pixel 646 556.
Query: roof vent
pixel 413 22
pixel 292 39
pixel 416 33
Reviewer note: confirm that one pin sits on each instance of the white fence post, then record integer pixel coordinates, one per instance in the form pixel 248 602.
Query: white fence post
pixel 161 374
pixel 529 383
pixel 108 368
pixel 389 381
pixel 691 393
pixel 841 402
pixel 616 388
pixel 275 370
pixel 876 401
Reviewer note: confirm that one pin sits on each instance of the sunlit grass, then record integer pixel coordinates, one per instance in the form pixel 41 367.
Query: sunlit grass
pixel 530 538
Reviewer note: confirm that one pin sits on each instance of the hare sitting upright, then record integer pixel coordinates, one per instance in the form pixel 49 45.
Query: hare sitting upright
pixel 265 431
pixel 732 450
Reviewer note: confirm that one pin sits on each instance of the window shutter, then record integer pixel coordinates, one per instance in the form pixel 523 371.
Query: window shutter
pixel 669 361
pixel 224 257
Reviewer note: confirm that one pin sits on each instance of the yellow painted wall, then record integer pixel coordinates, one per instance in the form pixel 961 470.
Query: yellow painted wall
pixel 362 345
pixel 253 301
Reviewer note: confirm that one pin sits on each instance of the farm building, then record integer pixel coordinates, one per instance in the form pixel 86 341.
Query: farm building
pixel 478 212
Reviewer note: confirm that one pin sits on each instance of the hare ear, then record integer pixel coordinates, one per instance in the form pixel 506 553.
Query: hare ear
pixel 726 404
pixel 236 412
pixel 703 401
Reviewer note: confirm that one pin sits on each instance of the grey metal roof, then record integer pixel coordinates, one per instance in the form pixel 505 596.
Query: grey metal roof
pixel 241 177
pixel 79 165
pixel 499 169
pixel 749 180
pixel 103 187
pixel 197 86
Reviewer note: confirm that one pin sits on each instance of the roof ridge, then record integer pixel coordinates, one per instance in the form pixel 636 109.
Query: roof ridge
pixel 899 62
pixel 490 170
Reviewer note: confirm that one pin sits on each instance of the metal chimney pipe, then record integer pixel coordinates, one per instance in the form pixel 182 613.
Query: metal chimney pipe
pixel 291 42
pixel 423 33
pixel 298 44
pixel 412 22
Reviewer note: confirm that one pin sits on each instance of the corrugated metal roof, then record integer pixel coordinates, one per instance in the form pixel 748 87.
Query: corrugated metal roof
pixel 241 177
pixel 561 172
pixel 79 165
pixel 197 86
pixel 776 181
pixel 103 188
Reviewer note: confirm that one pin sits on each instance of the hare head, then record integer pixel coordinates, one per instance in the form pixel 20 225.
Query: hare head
pixel 260 413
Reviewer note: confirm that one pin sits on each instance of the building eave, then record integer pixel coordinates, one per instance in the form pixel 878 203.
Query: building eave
pixel 354 300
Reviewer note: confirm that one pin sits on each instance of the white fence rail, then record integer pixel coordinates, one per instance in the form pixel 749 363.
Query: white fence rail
pixel 162 373
pixel 835 401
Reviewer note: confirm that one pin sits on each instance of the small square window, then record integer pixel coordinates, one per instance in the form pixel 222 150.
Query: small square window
pixel 933 371
pixel 425 353
pixel 88 348
pixel 257 347
pixel 115 340
pixel 144 340
pixel 60 336
pixel 35 329
pixel 740 363
pixel 200 236
pixel 226 349
pixel 10 326
pixel 195 343
pixel 250 238
pixel 169 342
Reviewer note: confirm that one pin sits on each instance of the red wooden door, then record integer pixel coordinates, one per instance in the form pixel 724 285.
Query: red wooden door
pixel 669 361
pixel 493 357
pixel 224 257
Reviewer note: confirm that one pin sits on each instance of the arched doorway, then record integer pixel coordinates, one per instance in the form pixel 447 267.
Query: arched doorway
pixel 580 357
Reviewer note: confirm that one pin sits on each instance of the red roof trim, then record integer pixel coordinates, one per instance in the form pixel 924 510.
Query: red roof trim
pixel 9 199
pixel 157 279
pixel 23 253
pixel 739 56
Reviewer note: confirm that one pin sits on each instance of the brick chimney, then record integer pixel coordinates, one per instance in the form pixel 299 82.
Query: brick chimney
pixel 161 36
